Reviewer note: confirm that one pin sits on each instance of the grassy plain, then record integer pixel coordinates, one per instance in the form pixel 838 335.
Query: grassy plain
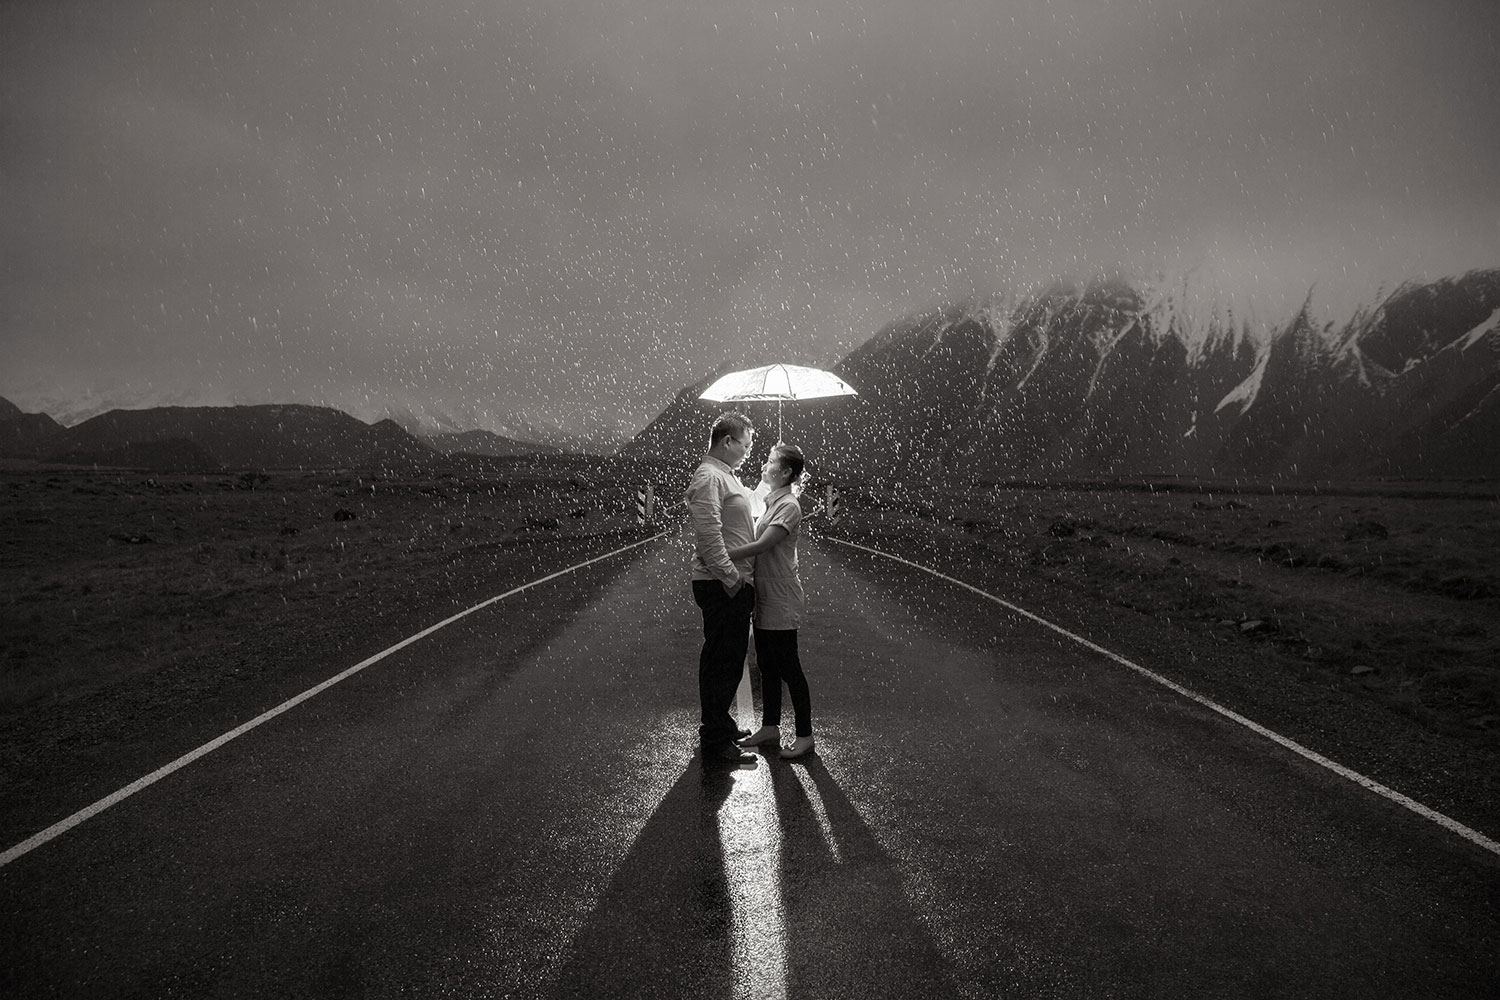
pixel 110 575
pixel 1360 619
pixel 142 611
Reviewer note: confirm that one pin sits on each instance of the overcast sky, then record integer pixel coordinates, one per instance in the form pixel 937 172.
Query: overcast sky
pixel 562 212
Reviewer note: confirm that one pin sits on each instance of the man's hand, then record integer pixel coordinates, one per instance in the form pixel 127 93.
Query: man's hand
pixel 735 589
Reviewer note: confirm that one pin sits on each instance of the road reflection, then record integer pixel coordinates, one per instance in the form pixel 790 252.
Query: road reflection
pixel 756 883
pixel 751 840
pixel 852 929
pixel 820 812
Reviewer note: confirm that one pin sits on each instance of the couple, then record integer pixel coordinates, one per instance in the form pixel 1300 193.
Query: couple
pixel 746 567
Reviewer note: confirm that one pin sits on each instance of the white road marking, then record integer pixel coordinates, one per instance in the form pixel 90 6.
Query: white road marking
pixel 1474 836
pixel 750 835
pixel 62 826
pixel 744 701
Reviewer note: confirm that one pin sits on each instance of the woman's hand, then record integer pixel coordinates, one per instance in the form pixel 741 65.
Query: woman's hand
pixel 769 539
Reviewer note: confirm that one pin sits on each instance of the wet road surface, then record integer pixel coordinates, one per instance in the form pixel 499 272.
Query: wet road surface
pixel 512 808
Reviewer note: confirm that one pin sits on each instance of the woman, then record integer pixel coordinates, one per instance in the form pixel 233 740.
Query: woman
pixel 779 603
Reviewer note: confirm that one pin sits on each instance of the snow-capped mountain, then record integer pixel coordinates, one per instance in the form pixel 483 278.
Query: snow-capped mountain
pixel 72 404
pixel 516 430
pixel 424 419
pixel 1112 378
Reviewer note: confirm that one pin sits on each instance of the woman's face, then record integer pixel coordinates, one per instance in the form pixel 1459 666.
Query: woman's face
pixel 774 472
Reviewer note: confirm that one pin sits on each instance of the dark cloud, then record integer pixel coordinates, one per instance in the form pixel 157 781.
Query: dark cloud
pixel 560 213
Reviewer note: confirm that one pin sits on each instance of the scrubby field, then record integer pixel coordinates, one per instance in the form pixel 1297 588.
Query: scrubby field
pixel 143 611
pixel 1360 620
pixel 1363 619
pixel 109 575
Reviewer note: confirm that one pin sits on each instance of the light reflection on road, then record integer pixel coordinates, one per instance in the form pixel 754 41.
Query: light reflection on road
pixel 751 840
pixel 815 799
pixel 750 835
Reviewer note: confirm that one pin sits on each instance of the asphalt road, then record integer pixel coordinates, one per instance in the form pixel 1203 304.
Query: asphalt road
pixel 511 807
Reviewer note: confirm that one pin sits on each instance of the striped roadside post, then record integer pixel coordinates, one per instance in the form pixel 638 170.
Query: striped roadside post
pixel 645 503
pixel 832 506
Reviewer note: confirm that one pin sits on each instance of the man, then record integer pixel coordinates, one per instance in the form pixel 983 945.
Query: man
pixel 719 509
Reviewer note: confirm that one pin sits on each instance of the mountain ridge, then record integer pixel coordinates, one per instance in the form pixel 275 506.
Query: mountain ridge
pixel 1078 379
pixel 246 436
pixel 1109 378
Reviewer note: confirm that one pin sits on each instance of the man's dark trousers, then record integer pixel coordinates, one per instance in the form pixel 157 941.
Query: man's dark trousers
pixel 721 663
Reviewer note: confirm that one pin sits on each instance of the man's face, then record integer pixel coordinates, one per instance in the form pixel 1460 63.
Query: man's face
pixel 739 448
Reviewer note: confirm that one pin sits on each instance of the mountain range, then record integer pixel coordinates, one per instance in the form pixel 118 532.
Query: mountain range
pixel 1079 379
pixel 1110 378
pixel 72 401
pixel 269 436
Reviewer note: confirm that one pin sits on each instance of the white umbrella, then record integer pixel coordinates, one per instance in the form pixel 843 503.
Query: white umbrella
pixel 778 382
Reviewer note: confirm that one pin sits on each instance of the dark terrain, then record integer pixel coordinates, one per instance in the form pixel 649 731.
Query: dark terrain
pixel 139 608
pixel 1357 619
pixel 142 610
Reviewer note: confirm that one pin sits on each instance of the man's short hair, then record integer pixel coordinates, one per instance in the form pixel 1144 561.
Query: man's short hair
pixel 733 423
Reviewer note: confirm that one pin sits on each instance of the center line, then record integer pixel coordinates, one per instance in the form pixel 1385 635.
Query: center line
pixel 750 834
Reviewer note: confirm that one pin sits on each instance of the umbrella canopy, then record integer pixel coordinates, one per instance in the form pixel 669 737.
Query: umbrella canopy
pixel 770 382
pixel 779 383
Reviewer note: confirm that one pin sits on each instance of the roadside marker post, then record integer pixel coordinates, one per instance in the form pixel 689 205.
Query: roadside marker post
pixel 645 504
pixel 832 504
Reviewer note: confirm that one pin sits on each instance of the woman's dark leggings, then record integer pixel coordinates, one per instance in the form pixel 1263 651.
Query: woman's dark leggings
pixel 776 655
